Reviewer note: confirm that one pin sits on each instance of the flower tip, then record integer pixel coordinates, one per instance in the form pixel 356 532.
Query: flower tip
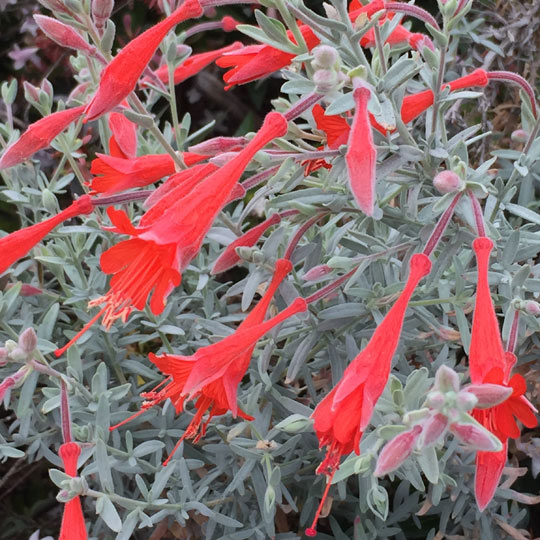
pixel 421 263
pixel 311 532
pixel 276 121
pixel 483 243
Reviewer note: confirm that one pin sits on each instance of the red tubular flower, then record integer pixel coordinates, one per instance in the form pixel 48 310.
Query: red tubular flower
pixel 39 135
pixel 195 63
pixel 167 239
pixel 19 243
pixel 229 257
pixel 123 142
pixel 257 61
pixel 212 374
pixel 334 126
pixel 341 417
pixel 489 363
pixel 119 78
pixel 73 526
pixel 117 174
pixel 399 36
pixel 361 156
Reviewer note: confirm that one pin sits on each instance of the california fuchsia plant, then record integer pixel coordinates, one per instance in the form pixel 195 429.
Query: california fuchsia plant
pixel 319 328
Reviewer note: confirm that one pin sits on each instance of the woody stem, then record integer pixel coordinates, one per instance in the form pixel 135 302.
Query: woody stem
pixel 440 227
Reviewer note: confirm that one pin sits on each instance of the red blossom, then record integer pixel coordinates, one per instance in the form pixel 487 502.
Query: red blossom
pixel 39 135
pixel 194 64
pixel 123 141
pixel 361 156
pixel 120 77
pixel 169 235
pixel 19 243
pixel 114 174
pixel 341 417
pixel 399 36
pixel 73 526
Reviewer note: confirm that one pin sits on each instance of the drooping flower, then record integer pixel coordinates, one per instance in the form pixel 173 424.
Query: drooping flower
pixel 114 174
pixel 39 135
pixel 361 156
pixel 229 257
pixel 73 526
pixel 169 235
pixel 120 77
pixel 194 64
pixel 342 416
pixel 212 374
pixel 490 363
pixel 19 243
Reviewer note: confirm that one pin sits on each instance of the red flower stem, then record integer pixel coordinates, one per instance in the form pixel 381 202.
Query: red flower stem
pixel 477 211
pixel 413 11
pixel 122 198
pixel 327 289
pixel 440 227
pixel 300 232
pixel 64 413
pixel 517 79
pixel 303 104
pixel 256 179
pixel 287 213
pixel 514 331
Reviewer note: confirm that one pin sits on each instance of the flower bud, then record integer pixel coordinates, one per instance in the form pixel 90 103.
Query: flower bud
pixel 397 451
pixel 476 437
pixel 31 92
pixel 218 145
pixel 532 308
pixel 229 23
pixel 466 401
pixel 433 429
pixel 317 272
pixel 325 80
pixel 222 159
pixel 62 34
pixel 435 400
pixel 448 182
pixel 325 57
pixel 28 340
pixel 489 395
pixel 10 345
pixel 101 11
pixel 446 380
pixel 331 12
pixel 18 354
pixel 520 136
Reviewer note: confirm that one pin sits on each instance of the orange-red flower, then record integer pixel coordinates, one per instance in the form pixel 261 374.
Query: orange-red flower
pixel 123 141
pixel 115 174
pixel 73 526
pixel 489 363
pixel 194 64
pixel 169 235
pixel 341 417
pixel 120 77
pixel 19 243
pixel 39 135
pixel 361 156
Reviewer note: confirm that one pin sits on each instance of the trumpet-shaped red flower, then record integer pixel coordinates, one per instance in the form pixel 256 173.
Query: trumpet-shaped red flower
pixel 19 243
pixel 229 257
pixel 361 156
pixel 335 127
pixel 73 526
pixel 39 135
pixel 115 174
pixel 194 64
pixel 341 417
pixel 212 374
pixel 489 363
pixel 123 141
pixel 169 235
pixel 399 36
pixel 120 77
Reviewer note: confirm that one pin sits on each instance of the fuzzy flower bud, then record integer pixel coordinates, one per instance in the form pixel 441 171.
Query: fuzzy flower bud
pixel 101 11
pixel 519 136
pixel 325 80
pixel 476 437
pixel 28 341
pixel 532 308
pixel 446 380
pixel 448 182
pixel 435 400
pixel 466 401
pixel 434 428
pixel 62 34
pixel 218 145
pixel 317 272
pixel 397 451
pixel 488 395
pixel 325 57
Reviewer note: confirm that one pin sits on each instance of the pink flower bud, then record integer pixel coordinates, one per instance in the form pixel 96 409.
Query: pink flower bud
pixel 448 182
pixel 466 401
pixel 489 395
pixel 325 56
pixel 325 79
pixel 11 381
pixel 31 92
pixel 434 427
pixel 62 34
pixel 397 451
pixel 532 308
pixel 101 11
pixel 476 437
pixel 229 23
pixel 519 136
pixel 222 159
pixel 28 340
pixel 436 400
pixel 218 145
pixel 317 272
